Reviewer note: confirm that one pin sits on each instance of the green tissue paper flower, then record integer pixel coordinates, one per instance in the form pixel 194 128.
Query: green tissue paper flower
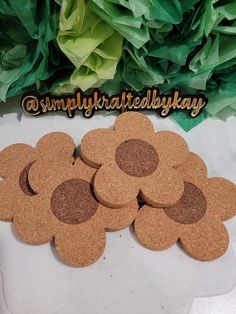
pixel 28 53
pixel 92 45
pixel 134 19
pixel 191 45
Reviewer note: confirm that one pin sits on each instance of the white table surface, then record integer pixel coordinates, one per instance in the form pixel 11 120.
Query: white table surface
pixel 128 279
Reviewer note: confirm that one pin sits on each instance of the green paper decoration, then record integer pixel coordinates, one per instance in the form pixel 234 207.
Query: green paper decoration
pixel 59 45
pixel 192 46
pixel 28 53
pixel 89 43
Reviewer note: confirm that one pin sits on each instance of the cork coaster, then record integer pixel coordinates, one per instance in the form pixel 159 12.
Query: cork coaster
pixel 196 219
pixel 15 163
pixel 134 160
pixel 66 210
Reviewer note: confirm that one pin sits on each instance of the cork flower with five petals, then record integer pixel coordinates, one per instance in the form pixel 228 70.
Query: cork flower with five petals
pixel 196 219
pixel 134 160
pixel 65 210
pixel 16 161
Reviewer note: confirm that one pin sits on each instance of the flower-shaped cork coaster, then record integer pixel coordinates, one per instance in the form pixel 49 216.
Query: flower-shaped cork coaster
pixel 133 160
pixel 66 210
pixel 196 219
pixel 15 163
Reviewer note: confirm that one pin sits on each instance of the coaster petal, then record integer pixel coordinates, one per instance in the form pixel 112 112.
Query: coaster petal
pixel 81 245
pixel 154 229
pixel 129 122
pixel 47 172
pixel 95 146
pixel 193 165
pixel 114 191
pixel 31 221
pixel 15 157
pixel 56 144
pixel 119 218
pixel 206 240
pixel 221 197
pixel 7 204
pixel 165 188
pixel 175 150
pixel 86 172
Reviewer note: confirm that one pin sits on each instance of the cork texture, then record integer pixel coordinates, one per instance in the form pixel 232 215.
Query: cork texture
pixel 51 195
pixel 23 181
pixel 83 206
pixel 144 165
pixel 133 160
pixel 66 210
pixel 196 219
pixel 15 163
pixel 190 208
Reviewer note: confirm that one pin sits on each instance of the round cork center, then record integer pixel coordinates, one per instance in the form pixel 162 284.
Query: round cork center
pixel 73 202
pixel 137 158
pixel 190 208
pixel 24 182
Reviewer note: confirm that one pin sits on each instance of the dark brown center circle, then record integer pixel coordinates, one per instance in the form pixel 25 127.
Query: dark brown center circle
pixel 73 202
pixel 190 208
pixel 23 180
pixel 137 158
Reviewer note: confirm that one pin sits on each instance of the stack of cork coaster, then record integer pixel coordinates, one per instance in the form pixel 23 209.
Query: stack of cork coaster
pixel 126 174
